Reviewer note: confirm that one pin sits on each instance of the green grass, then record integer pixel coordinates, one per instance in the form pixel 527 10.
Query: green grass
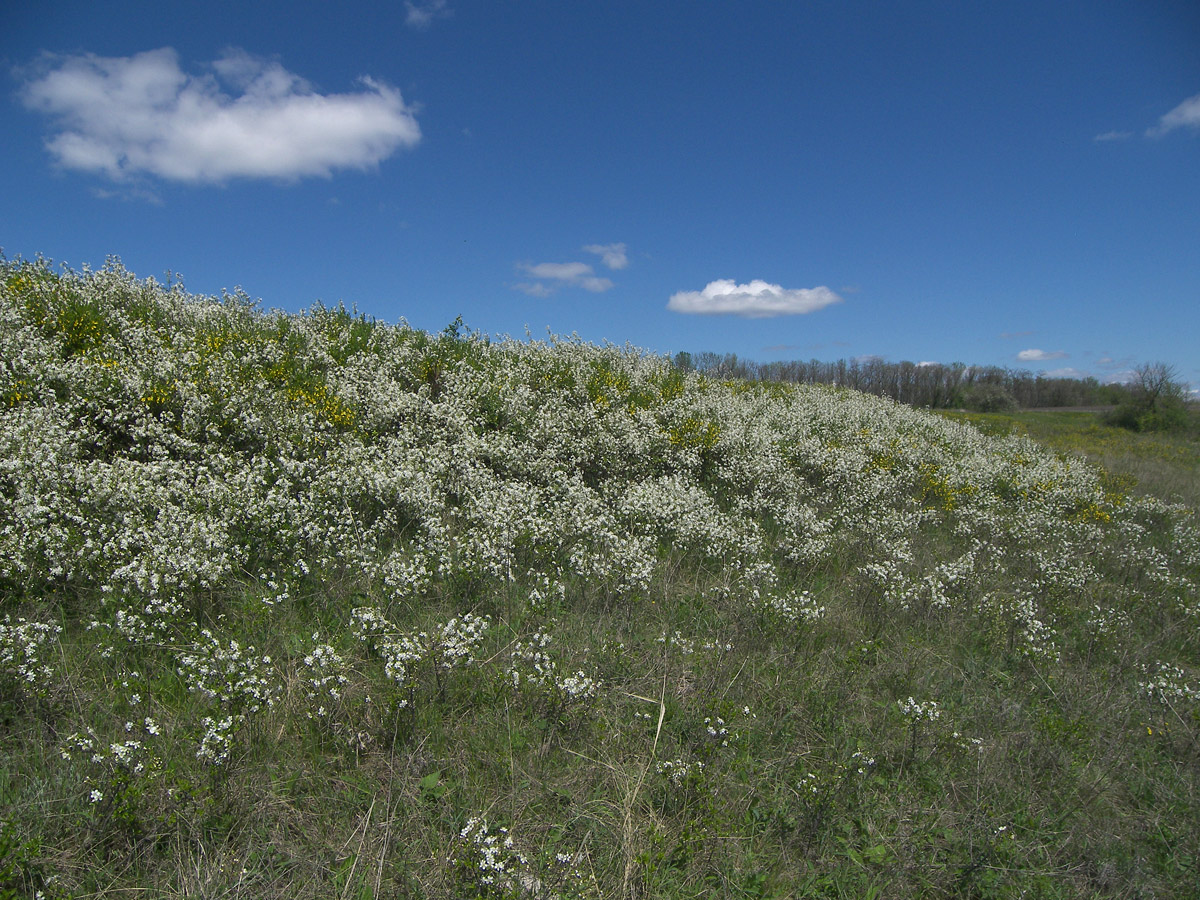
pixel 349 610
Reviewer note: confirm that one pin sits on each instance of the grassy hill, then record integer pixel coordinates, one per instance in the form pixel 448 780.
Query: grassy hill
pixel 313 606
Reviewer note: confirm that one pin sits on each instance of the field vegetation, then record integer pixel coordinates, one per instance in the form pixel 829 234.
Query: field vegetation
pixel 314 606
pixel 1163 464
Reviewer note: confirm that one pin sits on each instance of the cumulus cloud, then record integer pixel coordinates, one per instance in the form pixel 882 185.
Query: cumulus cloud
pixel 926 363
pixel 756 300
pixel 1034 355
pixel 1067 372
pixel 245 118
pixel 1185 115
pixel 555 275
pixel 612 255
pixel 422 15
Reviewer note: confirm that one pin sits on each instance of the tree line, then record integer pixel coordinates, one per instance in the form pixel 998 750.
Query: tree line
pixel 933 385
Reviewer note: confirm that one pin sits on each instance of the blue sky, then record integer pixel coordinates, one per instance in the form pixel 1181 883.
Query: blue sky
pixel 1012 184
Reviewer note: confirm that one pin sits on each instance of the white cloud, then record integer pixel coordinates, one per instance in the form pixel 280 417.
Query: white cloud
pixel 756 300
pixel 422 15
pixel 1041 355
pixel 559 271
pixel 569 274
pixel 926 363
pixel 533 289
pixel 1067 372
pixel 123 116
pixel 1185 115
pixel 1113 136
pixel 612 255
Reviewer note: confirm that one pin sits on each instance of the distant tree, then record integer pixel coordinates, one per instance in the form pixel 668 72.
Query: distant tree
pixel 1157 401
pixel 987 396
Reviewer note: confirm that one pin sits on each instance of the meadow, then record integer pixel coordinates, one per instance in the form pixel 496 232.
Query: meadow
pixel 314 606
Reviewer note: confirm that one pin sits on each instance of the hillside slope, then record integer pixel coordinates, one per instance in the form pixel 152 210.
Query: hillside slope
pixel 311 606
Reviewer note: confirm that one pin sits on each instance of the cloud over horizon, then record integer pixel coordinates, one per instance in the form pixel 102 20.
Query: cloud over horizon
pixel 1067 372
pixel 1034 355
pixel 756 300
pixel 247 118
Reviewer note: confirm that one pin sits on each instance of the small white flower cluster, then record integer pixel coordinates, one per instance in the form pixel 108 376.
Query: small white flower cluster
pixel 820 784
pixel 491 860
pixel 455 642
pixel 545 589
pixel 966 744
pixel 681 774
pixel 1185 538
pixel 129 758
pixel 716 730
pixel 369 624
pixel 235 678
pixel 1167 683
pixel 678 508
pixel 326 678
pixel 578 687
pixel 861 762
pixel 20 644
pixel 925 711
pixel 1108 622
pixel 451 645
pixel 493 867
pixel 530 663
pixel 216 743
pixel 930 711
pixel 77 742
pixel 686 646
pixel 1033 638
pixel 795 608
pixel 937 589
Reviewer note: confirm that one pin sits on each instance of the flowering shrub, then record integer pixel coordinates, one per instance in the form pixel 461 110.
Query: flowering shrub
pixel 237 679
pixel 531 666
pixel 188 484
pixel 449 646
pixel 21 644
pixel 324 679
pixel 488 864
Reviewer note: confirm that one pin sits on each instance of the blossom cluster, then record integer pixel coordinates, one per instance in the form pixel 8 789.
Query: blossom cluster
pixel 236 678
pixel 1167 683
pixel 488 863
pixel 21 643
pixel 531 664
pixel 325 678
pixel 450 645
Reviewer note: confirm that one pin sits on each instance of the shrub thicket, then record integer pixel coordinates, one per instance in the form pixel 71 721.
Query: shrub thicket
pixel 311 606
